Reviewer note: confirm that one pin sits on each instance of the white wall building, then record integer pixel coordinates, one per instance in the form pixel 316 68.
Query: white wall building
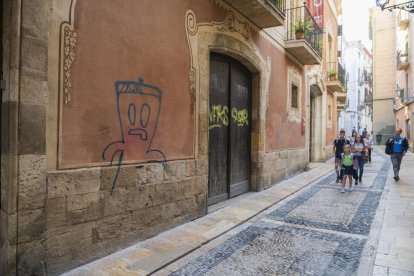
pixel 358 110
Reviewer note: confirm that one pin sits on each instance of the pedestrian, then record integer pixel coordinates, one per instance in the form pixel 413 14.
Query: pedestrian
pixel 338 149
pixel 396 147
pixel 364 133
pixel 368 146
pixel 347 165
pixel 358 149
pixel 379 137
pixel 353 135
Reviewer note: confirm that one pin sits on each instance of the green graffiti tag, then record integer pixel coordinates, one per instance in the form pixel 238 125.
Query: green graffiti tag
pixel 240 116
pixel 218 116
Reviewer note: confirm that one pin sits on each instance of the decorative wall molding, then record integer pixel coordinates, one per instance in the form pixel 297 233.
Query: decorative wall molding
pixel 232 24
pixel 67 42
pixel 68 59
pixel 191 29
pixel 275 37
pixel 232 27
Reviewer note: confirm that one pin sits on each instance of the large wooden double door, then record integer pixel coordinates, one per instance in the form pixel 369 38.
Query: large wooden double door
pixel 229 128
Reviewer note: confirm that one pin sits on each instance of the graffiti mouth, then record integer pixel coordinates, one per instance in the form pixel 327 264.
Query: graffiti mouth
pixel 142 133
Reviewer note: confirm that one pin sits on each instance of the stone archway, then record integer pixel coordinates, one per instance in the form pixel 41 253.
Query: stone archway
pixel 231 38
pixel 315 124
pixel 317 120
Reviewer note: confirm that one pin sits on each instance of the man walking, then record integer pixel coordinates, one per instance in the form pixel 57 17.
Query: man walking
pixel 338 148
pixel 396 147
pixel 364 133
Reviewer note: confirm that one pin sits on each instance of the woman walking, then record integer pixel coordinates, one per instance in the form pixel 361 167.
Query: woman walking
pixel 358 149
pixel 353 135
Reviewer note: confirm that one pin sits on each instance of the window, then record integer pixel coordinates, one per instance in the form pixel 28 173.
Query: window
pixel 294 99
pixel 294 92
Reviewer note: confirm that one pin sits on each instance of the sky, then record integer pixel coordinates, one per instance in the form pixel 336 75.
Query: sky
pixel 355 19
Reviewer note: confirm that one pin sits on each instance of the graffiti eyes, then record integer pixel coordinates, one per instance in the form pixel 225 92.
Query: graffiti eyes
pixel 145 114
pixel 132 114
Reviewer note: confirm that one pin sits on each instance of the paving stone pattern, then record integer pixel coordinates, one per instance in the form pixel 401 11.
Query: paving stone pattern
pixel 308 237
pixel 267 249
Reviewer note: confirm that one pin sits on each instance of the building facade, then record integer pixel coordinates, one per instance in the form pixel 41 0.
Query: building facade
pixel 404 98
pixel 358 111
pixel 116 128
pixel 395 106
pixel 384 73
pixel 327 91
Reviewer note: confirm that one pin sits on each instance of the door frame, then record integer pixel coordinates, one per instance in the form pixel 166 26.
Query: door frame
pixel 220 37
pixel 233 62
pixel 317 139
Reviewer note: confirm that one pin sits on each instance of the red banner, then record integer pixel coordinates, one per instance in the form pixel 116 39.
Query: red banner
pixel 315 7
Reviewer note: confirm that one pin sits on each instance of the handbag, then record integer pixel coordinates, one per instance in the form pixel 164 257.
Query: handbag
pixel 389 148
pixel 365 156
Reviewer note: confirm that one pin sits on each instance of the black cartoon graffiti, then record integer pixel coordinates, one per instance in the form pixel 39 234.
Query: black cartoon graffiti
pixel 138 107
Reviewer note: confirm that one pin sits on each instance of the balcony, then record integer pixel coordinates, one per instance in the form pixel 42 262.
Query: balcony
pixel 340 106
pixel 403 19
pixel 335 77
pixel 341 97
pixel 368 78
pixel 406 100
pixel 263 13
pixel 304 37
pixel 402 60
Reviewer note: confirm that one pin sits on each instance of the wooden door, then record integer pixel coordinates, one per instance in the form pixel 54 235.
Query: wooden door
pixel 218 131
pixel 229 129
pixel 239 129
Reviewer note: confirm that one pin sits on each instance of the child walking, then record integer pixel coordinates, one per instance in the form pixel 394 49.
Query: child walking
pixel 347 167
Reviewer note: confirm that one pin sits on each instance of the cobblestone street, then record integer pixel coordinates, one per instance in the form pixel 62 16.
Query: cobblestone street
pixel 316 231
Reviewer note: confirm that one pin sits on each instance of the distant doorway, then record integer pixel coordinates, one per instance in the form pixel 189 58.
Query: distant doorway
pixel 315 125
pixel 311 126
pixel 229 128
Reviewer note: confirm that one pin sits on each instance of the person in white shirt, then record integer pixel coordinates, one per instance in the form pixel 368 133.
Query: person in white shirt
pixel 358 149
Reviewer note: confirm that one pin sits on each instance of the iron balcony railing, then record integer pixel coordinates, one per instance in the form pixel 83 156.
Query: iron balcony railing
pixel 335 71
pixel 341 75
pixel 280 5
pixel 407 99
pixel 368 79
pixel 301 25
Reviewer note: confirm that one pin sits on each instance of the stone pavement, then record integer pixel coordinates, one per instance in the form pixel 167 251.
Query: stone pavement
pixel 395 252
pixel 281 231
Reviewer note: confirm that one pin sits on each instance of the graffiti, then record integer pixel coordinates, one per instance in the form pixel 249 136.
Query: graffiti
pixel 218 116
pixel 138 107
pixel 240 116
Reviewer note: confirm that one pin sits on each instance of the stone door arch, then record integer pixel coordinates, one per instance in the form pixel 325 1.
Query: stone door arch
pixel 231 38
